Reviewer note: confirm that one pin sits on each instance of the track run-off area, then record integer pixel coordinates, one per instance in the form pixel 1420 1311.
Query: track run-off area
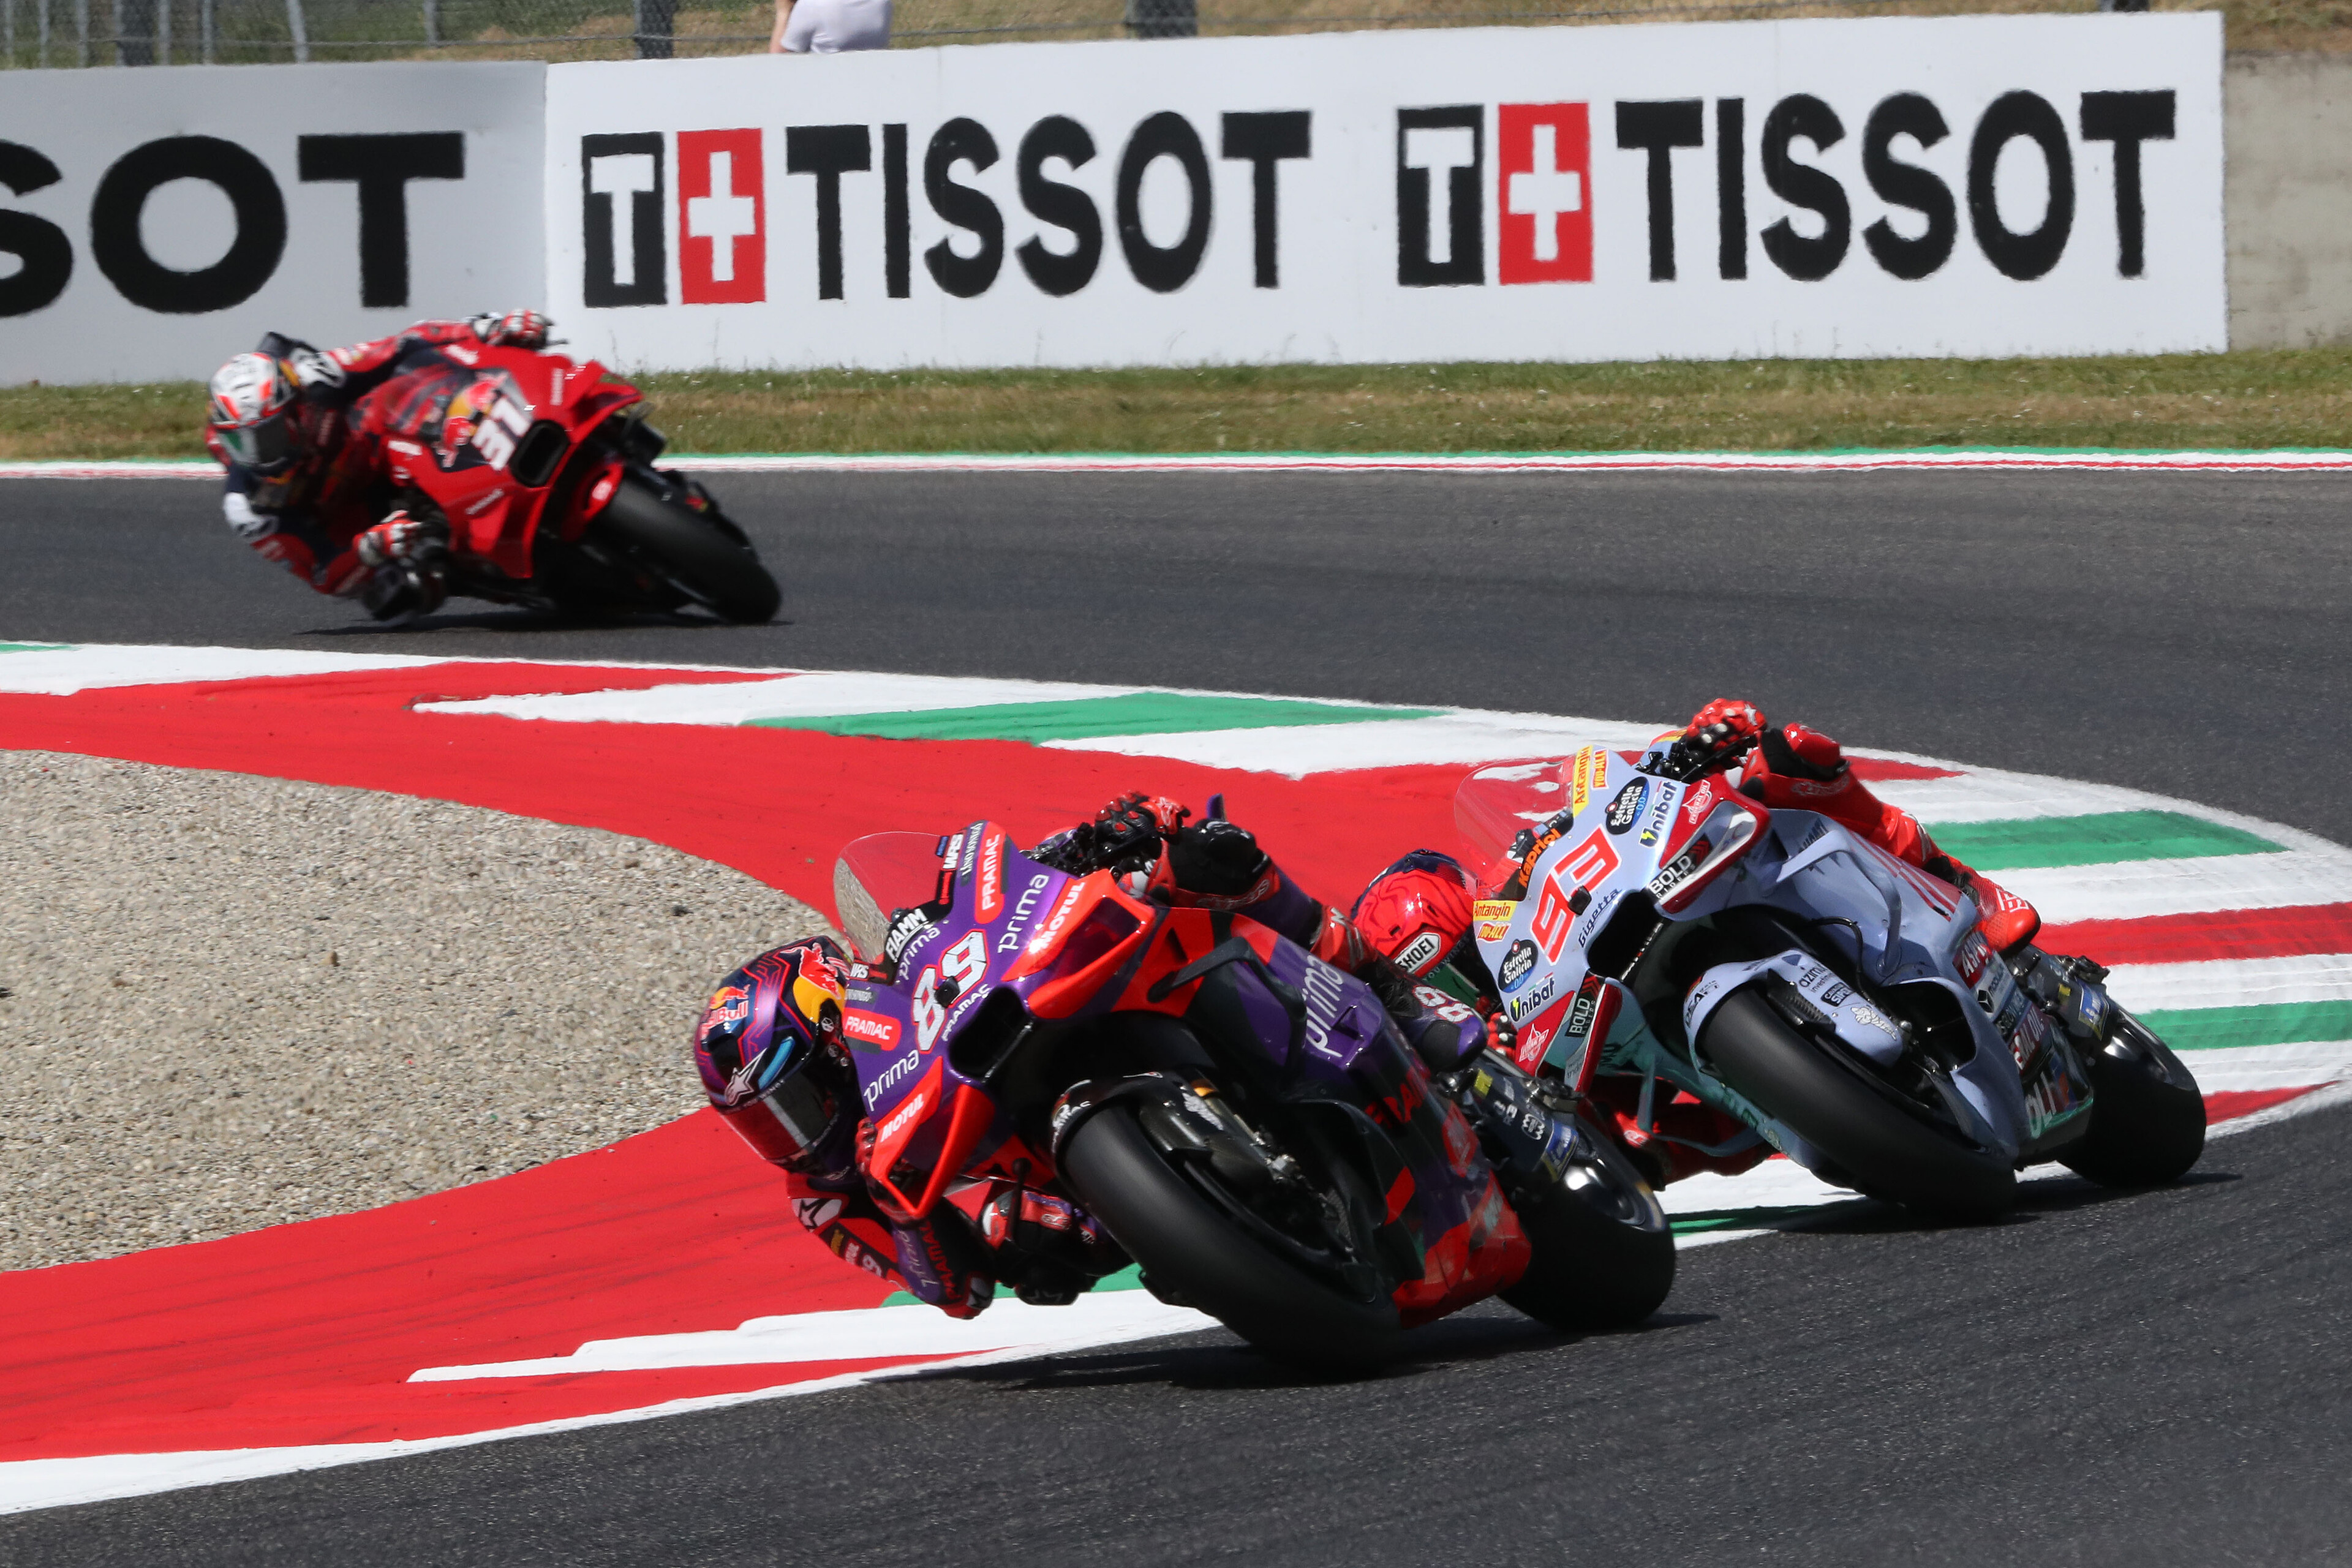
pixel 2104 654
pixel 2230 936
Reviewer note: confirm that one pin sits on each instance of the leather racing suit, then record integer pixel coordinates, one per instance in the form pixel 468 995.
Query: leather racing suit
pixel 1046 1247
pixel 313 518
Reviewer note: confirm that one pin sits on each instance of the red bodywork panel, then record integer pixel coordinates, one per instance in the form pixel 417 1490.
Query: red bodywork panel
pixel 454 425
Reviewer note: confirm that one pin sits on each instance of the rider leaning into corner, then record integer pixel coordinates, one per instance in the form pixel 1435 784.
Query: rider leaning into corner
pixel 1419 913
pixel 806 1118
pixel 306 484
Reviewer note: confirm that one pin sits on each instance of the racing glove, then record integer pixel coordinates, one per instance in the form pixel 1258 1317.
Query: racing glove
pixel 1124 836
pixel 404 539
pixel 1725 727
pixel 515 328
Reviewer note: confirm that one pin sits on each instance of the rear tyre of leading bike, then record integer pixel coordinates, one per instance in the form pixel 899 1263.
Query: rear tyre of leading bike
pixel 1191 1250
pixel 1889 1152
pixel 1604 1255
pixel 2147 1116
pixel 699 556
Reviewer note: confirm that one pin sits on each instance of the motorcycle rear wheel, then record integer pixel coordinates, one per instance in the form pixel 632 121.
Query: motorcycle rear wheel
pixel 688 551
pixel 1603 1253
pixel 1889 1151
pixel 1188 1249
pixel 2147 1116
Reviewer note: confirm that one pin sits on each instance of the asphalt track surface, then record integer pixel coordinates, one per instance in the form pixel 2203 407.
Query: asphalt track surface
pixel 2149 1378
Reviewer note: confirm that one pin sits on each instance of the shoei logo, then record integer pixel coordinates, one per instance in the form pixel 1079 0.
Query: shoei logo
pixel 1416 957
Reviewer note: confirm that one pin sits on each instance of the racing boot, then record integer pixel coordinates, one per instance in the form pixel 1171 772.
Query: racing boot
pixel 1805 770
pixel 2006 921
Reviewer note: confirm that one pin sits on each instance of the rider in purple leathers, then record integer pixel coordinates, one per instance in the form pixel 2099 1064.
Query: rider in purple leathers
pixel 772 1059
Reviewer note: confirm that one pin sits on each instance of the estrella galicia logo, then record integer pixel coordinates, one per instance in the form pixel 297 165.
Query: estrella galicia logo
pixel 1517 964
pixel 1626 809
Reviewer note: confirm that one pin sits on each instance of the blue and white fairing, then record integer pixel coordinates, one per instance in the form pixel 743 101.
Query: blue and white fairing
pixel 1909 929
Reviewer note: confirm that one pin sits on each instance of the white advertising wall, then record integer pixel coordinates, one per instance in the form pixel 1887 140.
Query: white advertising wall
pixel 154 222
pixel 1975 185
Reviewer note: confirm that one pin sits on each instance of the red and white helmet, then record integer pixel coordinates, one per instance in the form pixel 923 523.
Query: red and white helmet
pixel 253 412
pixel 1417 913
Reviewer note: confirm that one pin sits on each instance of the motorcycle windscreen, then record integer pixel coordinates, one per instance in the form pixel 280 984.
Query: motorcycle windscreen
pixel 1493 804
pixel 877 874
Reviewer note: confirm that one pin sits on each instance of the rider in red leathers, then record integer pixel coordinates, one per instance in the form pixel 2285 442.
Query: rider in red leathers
pixel 1419 912
pixel 306 482
pixel 775 1065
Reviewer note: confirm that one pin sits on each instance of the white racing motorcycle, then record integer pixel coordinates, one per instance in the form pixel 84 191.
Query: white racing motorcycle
pixel 1833 998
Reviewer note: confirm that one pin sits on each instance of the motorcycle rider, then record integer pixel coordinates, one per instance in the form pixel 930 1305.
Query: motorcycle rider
pixel 1419 913
pixel 305 484
pixel 772 1059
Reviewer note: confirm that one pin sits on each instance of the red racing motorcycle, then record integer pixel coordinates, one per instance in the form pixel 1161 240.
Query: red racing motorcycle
pixel 542 468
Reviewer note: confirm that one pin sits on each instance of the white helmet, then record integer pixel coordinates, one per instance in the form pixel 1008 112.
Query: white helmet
pixel 253 399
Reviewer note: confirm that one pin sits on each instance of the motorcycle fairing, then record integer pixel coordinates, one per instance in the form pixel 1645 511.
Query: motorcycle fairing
pixel 452 420
pixel 1084 947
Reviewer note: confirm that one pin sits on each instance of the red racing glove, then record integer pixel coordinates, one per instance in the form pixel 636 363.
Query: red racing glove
pixel 398 537
pixel 1724 730
pixel 515 328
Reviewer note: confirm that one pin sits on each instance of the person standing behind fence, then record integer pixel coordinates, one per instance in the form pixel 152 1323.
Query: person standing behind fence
pixel 830 27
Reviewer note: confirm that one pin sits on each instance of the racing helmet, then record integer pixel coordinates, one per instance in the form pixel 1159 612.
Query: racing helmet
pixel 1417 914
pixel 769 1051
pixel 254 413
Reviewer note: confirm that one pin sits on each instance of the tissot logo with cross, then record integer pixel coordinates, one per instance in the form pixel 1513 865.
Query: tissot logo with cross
pixel 722 254
pixel 1543 165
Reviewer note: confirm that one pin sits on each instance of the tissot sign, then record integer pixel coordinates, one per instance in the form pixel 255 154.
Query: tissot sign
pixel 1948 185
pixel 154 222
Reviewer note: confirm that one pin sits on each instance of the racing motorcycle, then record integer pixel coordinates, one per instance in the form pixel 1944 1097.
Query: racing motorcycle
pixel 543 470
pixel 1246 1121
pixel 1836 1000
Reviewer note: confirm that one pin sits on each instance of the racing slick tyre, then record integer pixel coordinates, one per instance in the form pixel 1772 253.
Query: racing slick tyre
pixel 1603 1254
pixel 1890 1147
pixel 699 557
pixel 2147 1117
pixel 1191 1250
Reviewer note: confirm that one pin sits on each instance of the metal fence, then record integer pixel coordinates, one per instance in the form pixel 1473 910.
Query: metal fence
pixel 62 33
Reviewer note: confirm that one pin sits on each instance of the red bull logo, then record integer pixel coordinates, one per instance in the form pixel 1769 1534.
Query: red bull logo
pixel 728 1006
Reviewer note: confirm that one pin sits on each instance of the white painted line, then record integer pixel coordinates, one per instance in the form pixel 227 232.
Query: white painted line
pixel 807 694
pixel 113 468
pixel 1506 462
pixel 29 1484
pixel 1351 462
pixel 2234 982
pixel 1107 1317
pixel 1297 750
pixel 62 671
pixel 2132 888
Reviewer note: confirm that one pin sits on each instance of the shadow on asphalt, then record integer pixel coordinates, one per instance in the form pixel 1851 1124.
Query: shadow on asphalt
pixel 1225 1365
pixel 2064 1194
pixel 526 623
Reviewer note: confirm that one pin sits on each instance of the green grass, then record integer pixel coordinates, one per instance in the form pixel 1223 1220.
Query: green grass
pixel 2287 398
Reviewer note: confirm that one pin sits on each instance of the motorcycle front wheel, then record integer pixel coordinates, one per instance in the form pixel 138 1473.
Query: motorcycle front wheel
pixel 1603 1254
pixel 699 557
pixel 1889 1149
pixel 2147 1115
pixel 1190 1250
